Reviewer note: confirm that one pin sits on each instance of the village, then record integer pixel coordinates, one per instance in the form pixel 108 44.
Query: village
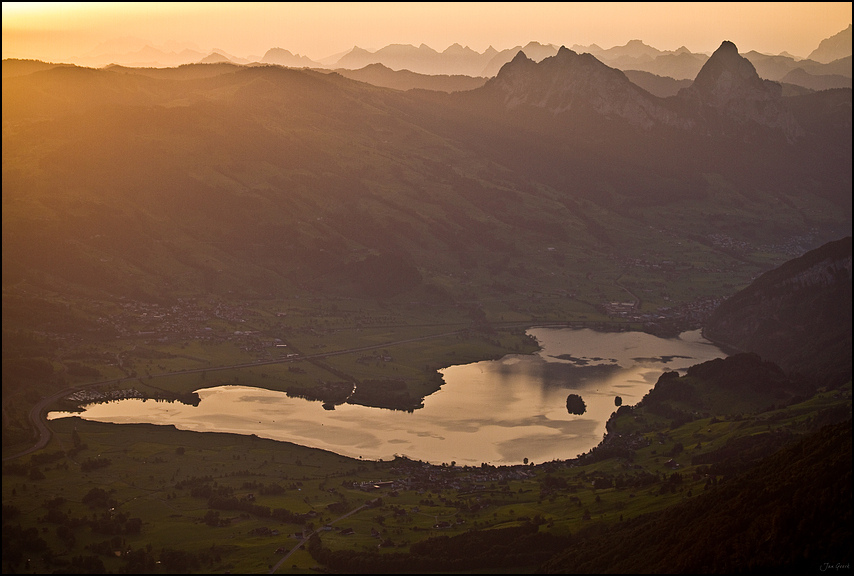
pixel 473 487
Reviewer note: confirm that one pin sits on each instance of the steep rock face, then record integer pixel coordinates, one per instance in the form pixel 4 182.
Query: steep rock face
pixel 798 315
pixel 728 87
pixel 571 82
pixel 833 48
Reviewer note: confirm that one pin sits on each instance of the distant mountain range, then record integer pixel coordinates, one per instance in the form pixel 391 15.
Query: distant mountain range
pixel 828 66
pixel 455 59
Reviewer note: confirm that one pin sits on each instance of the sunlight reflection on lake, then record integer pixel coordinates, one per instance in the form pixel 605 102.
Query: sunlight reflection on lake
pixel 498 411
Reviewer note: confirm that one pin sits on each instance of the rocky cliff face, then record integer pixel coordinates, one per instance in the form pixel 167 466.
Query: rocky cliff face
pixel 728 87
pixel 798 315
pixel 575 83
pixel 727 97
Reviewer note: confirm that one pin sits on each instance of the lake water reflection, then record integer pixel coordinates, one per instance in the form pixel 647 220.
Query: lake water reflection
pixel 499 411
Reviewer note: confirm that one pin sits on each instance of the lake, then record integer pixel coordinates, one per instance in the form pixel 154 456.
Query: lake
pixel 497 411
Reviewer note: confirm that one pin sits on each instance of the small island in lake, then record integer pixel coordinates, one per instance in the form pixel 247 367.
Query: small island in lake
pixel 575 404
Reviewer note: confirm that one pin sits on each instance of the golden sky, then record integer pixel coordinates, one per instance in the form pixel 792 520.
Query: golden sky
pixel 57 31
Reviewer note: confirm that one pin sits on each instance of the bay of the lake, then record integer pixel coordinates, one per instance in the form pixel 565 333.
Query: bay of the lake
pixel 497 411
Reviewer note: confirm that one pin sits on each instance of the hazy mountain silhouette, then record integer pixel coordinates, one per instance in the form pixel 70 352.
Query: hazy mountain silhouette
pixel 679 64
pixel 634 49
pixel 183 72
pixel 146 56
pixel 661 86
pixel 283 57
pixel 801 77
pixel 454 60
pixel 214 58
pixel 533 50
pixel 833 48
pixel 682 66
pixel 776 67
pixel 124 45
pixel 379 75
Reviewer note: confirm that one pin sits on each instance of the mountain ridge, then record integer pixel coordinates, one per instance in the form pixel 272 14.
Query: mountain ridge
pixel 833 48
pixel 560 82
pixel 286 158
pixel 680 64
pixel 809 296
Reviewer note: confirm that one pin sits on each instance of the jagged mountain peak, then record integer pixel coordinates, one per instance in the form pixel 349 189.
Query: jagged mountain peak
pixel 551 67
pixel 520 57
pixel 726 70
pixel 564 52
pixel 727 96
pixel 729 83
pixel 727 47
pixel 577 83
pixel 457 48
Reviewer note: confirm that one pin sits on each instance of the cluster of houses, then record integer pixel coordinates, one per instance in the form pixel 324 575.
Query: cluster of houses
pixel 91 396
pixel 423 477
pixel 186 319
pixel 189 320
pixel 693 313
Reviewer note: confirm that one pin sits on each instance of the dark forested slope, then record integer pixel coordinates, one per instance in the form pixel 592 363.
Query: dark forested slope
pixel 792 512
pixel 797 315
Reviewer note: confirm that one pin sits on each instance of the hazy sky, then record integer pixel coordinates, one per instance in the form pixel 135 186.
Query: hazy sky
pixel 58 30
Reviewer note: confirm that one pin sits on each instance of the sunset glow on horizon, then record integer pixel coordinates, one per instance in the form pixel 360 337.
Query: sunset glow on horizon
pixel 62 31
